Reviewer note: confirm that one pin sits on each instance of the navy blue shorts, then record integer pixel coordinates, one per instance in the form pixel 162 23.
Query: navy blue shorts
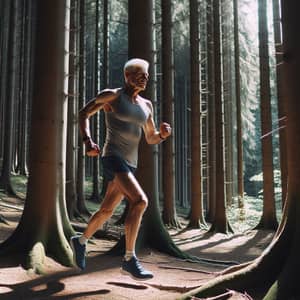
pixel 115 164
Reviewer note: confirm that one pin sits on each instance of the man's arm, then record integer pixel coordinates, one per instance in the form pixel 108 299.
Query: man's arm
pixel 152 135
pixel 93 106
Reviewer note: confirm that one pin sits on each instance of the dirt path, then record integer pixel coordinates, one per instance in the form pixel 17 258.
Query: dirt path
pixel 102 279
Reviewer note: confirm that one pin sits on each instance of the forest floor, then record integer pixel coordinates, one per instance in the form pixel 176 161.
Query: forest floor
pixel 102 279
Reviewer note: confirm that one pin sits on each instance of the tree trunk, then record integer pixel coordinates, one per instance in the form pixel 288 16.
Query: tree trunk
pixel 81 207
pixel 152 232
pixel 220 223
pixel 211 117
pixel 41 228
pixel 10 86
pixel 268 219
pixel 239 125
pixel 96 193
pixel 104 82
pixel 168 178
pixel 5 36
pixel 196 216
pixel 280 99
pixel 226 21
pixel 281 279
pixel 71 193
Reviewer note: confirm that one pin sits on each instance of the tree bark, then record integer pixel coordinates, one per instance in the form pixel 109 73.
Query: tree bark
pixel 41 228
pixel 280 278
pixel 211 116
pixel 96 193
pixel 81 207
pixel 168 178
pixel 280 99
pixel 5 178
pixel 152 232
pixel 220 223
pixel 196 216
pixel 226 27
pixel 71 193
pixel 239 125
pixel 268 219
pixel 104 82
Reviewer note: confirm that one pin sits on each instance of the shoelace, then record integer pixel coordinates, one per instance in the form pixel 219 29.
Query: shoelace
pixel 139 266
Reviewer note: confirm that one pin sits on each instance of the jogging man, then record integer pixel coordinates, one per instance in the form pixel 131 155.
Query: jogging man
pixel 126 115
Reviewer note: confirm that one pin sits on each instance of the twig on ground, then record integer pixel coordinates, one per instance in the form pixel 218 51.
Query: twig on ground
pixel 225 296
pixel 20 208
pixel 187 269
pixel 179 289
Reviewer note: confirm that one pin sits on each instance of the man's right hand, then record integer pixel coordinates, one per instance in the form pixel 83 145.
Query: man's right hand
pixel 92 149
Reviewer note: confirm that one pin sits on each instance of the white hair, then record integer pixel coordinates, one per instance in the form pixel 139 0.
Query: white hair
pixel 135 63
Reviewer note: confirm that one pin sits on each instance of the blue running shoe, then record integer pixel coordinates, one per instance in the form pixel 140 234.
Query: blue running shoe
pixel 134 269
pixel 78 252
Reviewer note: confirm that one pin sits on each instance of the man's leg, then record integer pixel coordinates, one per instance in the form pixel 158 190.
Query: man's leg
pixel 111 199
pixel 138 202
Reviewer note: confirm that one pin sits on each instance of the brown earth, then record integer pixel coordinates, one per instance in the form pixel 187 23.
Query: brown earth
pixel 102 278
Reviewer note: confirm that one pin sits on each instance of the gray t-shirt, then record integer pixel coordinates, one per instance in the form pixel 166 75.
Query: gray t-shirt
pixel 124 128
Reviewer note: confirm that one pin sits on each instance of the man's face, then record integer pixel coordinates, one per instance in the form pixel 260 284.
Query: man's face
pixel 137 78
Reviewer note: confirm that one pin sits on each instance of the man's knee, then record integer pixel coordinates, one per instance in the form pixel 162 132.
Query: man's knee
pixel 141 202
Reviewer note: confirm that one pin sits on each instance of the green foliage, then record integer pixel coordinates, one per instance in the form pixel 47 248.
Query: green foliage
pixel 247 217
pixel 249 60
pixel 118 40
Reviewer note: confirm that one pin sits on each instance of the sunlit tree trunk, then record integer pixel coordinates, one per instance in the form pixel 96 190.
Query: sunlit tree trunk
pixel 41 228
pixel 196 215
pixel 280 99
pixel 168 177
pixel 220 223
pixel 239 125
pixel 268 219
pixel 279 263
pixel 226 21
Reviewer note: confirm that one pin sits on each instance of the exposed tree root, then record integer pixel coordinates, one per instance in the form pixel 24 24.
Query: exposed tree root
pixel 16 207
pixel 227 295
pixel 198 225
pixel 250 277
pixel 186 269
pixel 36 259
pixel 235 268
pixel 174 223
pixel 215 228
pixel 31 248
pixel 180 289
pixel 266 224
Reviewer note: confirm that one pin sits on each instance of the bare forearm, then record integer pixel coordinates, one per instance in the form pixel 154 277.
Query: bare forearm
pixel 155 138
pixel 84 127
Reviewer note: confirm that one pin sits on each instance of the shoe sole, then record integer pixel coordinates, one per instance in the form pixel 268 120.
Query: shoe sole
pixel 74 255
pixel 124 272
